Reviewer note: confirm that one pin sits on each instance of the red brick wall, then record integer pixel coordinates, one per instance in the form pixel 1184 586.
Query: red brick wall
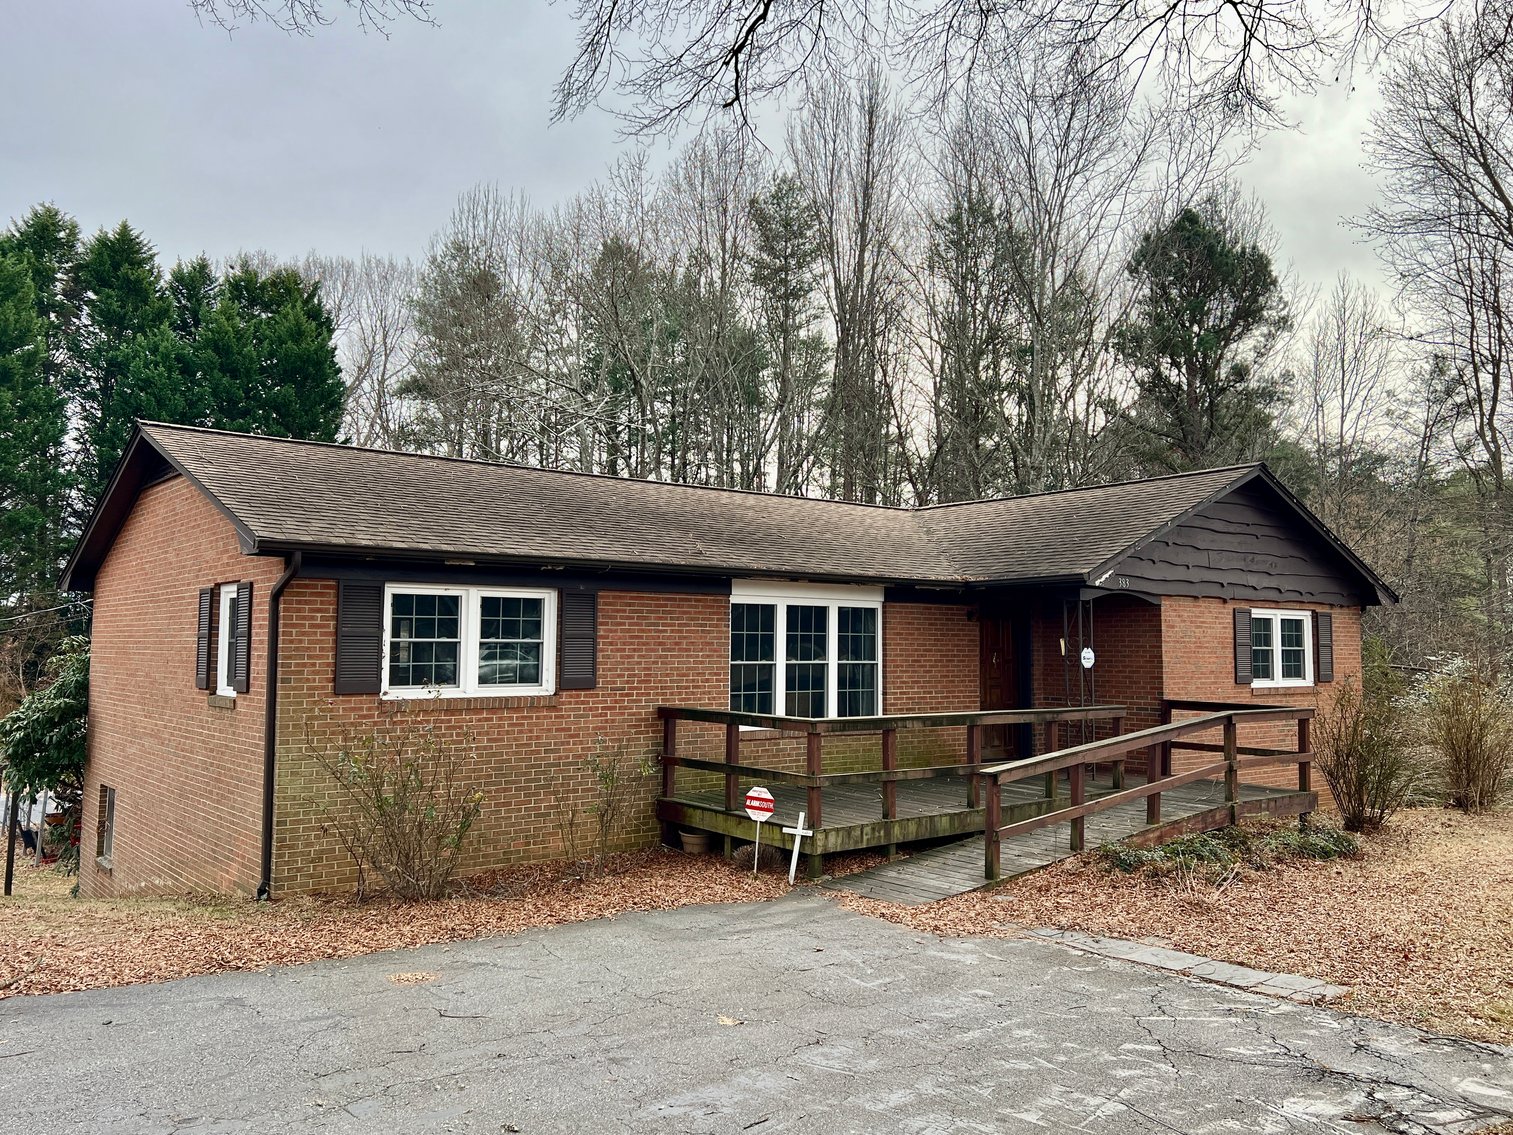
pixel 187 774
pixel 1198 636
pixel 528 753
pixel 1127 648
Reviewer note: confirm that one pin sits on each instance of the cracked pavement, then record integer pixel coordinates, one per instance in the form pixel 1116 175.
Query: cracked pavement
pixel 848 1025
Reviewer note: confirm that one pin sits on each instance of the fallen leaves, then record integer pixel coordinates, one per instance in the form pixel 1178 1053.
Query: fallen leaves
pixel 418 977
pixel 1420 928
pixel 50 942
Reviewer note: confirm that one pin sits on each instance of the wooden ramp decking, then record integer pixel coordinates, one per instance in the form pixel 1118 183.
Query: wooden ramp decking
pixel 956 868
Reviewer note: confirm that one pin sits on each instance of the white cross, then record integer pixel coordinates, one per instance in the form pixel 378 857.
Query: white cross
pixel 798 832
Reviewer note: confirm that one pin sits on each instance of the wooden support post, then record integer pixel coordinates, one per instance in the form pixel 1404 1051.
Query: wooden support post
pixel 816 767
pixel 669 749
pixel 974 749
pixel 1232 770
pixel 1117 771
pixel 1305 767
pixel 992 821
pixel 669 774
pixel 732 781
pixel 890 787
pixel 1050 747
pixel 1075 775
pixel 1153 772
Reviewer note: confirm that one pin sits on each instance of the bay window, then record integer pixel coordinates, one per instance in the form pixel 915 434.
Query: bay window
pixel 805 651
pixel 459 641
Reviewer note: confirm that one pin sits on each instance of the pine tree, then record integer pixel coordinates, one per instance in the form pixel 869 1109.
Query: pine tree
pixel 785 269
pixel 1209 307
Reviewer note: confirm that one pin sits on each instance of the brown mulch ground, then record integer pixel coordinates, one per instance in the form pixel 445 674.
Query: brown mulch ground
pixel 1420 928
pixel 50 942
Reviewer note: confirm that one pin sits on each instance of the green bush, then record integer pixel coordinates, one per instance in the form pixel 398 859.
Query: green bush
pixel 42 740
pixel 1217 853
pixel 1317 841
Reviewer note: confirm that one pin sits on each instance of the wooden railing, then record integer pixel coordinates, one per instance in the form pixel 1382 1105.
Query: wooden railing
pixel 1157 743
pixel 815 730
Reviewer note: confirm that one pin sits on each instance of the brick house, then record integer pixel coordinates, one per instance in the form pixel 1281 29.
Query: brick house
pixel 256 597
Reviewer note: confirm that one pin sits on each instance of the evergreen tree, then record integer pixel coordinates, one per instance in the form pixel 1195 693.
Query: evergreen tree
pixel 785 269
pixel 47 241
pixel 261 358
pixel 1208 309
pixel 33 424
pixel 125 357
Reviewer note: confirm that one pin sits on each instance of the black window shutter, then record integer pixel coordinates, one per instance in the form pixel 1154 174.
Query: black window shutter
pixel 202 640
pixel 241 639
pixel 1323 646
pixel 359 637
pixel 579 650
pixel 1243 675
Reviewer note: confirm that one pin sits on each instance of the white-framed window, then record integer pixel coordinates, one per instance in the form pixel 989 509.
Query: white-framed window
pixel 806 650
pixel 462 641
pixel 225 633
pixel 1281 648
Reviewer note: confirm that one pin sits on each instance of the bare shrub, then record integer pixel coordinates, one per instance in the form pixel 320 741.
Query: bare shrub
pixel 1361 746
pixel 615 773
pixel 407 805
pixel 1468 722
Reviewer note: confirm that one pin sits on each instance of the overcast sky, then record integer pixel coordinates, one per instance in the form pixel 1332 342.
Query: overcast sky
pixel 349 142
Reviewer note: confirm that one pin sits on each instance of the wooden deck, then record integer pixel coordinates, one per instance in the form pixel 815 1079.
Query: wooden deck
pixel 939 808
pixel 956 868
pixel 1033 811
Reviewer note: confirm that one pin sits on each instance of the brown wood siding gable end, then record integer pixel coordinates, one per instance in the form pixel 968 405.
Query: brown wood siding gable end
pixel 1242 546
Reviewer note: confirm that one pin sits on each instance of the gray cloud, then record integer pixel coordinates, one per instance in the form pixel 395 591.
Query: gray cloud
pixel 348 141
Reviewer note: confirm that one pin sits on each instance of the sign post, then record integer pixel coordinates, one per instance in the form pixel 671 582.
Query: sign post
pixel 759 807
pixel 798 832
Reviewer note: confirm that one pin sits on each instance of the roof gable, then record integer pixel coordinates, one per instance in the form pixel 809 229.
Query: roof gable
pixel 287 495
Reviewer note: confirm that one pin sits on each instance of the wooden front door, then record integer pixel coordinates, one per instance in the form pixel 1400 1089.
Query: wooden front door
pixel 1000 682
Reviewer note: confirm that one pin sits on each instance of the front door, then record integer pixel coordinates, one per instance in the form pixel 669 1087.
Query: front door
pixel 1000 682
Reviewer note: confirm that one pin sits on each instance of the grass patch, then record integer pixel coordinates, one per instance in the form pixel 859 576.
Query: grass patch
pixel 1220 852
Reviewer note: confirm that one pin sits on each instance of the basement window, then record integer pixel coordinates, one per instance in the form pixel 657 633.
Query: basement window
pixel 1281 648
pixel 468 641
pixel 805 650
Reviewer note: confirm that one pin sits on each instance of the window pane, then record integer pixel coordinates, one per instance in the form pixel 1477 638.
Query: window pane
pixel 751 632
pixel 856 693
pixel 806 687
pixel 509 664
pixel 510 640
pixel 856 634
pixel 807 630
pixel 424 642
pixel 751 687
pixel 1294 662
pixel 1260 649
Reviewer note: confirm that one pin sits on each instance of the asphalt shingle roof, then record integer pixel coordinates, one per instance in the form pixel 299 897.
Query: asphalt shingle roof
pixel 289 494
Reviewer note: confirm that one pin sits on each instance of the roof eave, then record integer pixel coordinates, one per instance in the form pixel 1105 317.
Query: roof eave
pixel 110 512
pixel 1382 592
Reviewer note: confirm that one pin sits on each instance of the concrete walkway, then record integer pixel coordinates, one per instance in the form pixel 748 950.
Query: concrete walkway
pixel 793 1015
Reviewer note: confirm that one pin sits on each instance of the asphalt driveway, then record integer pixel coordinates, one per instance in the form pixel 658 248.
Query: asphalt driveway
pixel 845 1025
